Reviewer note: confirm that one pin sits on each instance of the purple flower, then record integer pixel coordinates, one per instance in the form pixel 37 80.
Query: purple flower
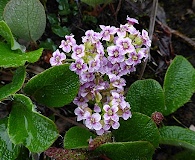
pixel 118 99
pixel 86 90
pixel 79 66
pixel 96 108
pixel 122 31
pixel 78 51
pixel 87 77
pixel 118 82
pixel 126 69
pixel 93 121
pixel 111 112
pixel 126 113
pixel 66 45
pixel 80 113
pixel 80 101
pixel 94 65
pixel 134 58
pixel 91 36
pixel 131 21
pixel 57 58
pixel 147 41
pixel 111 123
pixel 107 31
pixel 125 45
pixel 115 55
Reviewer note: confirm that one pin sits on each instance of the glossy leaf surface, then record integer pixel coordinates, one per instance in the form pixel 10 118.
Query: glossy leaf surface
pixel 10 58
pixel 179 84
pixel 6 33
pixel 146 96
pixel 28 127
pixel 8 150
pixel 77 137
pixel 178 136
pixel 55 87
pixel 15 85
pixel 138 128
pixel 127 150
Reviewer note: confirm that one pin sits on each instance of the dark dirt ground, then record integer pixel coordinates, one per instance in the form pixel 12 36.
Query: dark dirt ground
pixel 178 15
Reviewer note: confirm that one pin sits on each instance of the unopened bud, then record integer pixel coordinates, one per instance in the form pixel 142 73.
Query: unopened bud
pixel 157 117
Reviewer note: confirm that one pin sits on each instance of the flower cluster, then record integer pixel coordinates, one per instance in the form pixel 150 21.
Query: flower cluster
pixel 101 61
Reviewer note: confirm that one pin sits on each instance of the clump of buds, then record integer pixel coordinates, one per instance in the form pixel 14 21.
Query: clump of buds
pixel 65 154
pixel 157 117
pixel 99 140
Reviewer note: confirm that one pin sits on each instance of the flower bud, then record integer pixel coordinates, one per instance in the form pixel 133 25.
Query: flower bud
pixel 157 117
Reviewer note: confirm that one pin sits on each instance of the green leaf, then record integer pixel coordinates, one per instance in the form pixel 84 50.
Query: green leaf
pixel 26 18
pixel 11 58
pixel 139 128
pixel 27 127
pixel 179 84
pixel 60 31
pixel 146 96
pixel 178 136
pixel 8 150
pixel 6 33
pixel 15 85
pixel 127 150
pixel 2 6
pixel 77 137
pixel 55 87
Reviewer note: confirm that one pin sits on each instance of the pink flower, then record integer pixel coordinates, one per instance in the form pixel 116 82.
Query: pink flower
pixel 79 66
pixel 94 65
pixel 111 123
pixel 66 45
pixel 125 45
pixel 110 112
pixel 126 113
pixel 78 51
pixel 147 41
pixel 107 31
pixel 115 55
pixel 57 58
pixel 87 77
pixel 93 121
pixel 122 31
pixel 132 21
pixel 134 58
pixel 80 112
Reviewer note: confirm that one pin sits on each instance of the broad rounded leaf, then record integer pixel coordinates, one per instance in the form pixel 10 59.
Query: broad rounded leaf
pixel 28 127
pixel 26 18
pixel 127 150
pixel 138 128
pixel 55 87
pixel 2 6
pixel 10 58
pixel 15 85
pixel 6 33
pixel 178 136
pixel 179 84
pixel 8 150
pixel 146 96
pixel 77 137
